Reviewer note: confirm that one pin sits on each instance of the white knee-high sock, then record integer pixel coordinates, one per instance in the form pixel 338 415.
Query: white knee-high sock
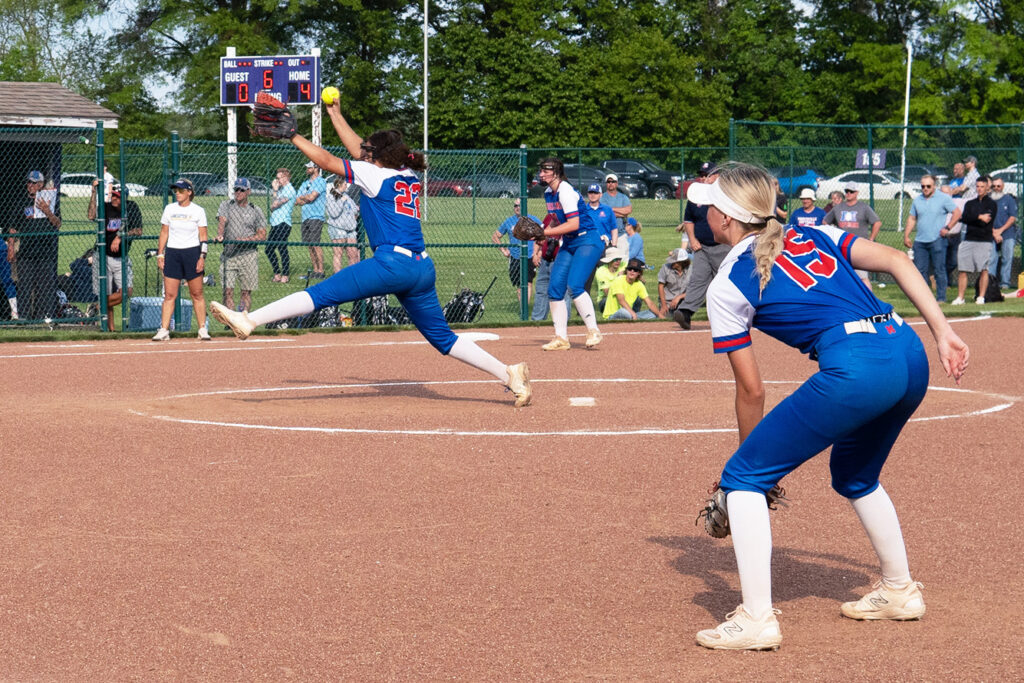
pixel 468 352
pixel 560 316
pixel 585 306
pixel 299 303
pixel 752 543
pixel 878 516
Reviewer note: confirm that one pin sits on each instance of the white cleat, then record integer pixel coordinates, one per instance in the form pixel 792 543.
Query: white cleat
pixel 593 338
pixel 519 384
pixel 740 631
pixel 204 334
pixel 162 335
pixel 886 602
pixel 238 321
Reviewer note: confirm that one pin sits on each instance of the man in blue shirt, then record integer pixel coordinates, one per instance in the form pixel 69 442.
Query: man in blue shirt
pixel 619 202
pixel 1005 233
pixel 808 215
pixel 514 250
pixel 604 215
pixel 312 198
pixel 931 213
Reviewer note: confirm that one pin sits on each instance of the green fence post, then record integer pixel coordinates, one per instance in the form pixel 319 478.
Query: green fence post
pixel 123 175
pixel 524 309
pixel 732 138
pixel 871 168
pixel 175 170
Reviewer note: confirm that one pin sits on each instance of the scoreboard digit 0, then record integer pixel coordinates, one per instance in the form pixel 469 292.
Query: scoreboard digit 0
pixel 294 79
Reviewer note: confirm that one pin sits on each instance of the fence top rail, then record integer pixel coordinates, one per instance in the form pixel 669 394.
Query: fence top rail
pixel 884 126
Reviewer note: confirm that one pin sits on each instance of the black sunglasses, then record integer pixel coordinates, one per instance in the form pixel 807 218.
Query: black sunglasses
pixel 241 189
pixel 927 187
pixel 851 191
pixel 635 269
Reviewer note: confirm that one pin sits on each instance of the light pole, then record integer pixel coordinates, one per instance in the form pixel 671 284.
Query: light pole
pixel 906 120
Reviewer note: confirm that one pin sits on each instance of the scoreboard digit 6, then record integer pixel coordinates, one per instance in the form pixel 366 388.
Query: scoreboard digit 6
pixel 294 79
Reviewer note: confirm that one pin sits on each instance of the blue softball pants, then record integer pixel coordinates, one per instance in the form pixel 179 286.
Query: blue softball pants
pixel 410 278
pixel 866 388
pixel 572 267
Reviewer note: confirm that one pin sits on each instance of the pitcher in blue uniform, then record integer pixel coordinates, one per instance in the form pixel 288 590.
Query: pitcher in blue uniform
pixel 798 284
pixel 400 265
pixel 582 246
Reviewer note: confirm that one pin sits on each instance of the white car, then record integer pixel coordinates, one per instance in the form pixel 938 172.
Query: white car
pixel 885 185
pixel 80 185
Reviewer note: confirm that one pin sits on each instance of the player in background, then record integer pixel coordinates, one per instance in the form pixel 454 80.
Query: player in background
pixel 576 260
pixel 798 285
pixel 401 266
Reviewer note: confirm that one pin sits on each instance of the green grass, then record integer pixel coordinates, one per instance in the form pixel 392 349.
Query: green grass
pixel 458 233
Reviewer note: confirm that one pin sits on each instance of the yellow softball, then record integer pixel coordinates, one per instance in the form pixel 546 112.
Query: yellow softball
pixel 330 95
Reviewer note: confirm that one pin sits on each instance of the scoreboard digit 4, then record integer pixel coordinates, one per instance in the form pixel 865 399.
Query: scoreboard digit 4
pixel 294 79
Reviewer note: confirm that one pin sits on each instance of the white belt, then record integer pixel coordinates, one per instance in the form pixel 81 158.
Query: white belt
pixel 867 325
pixel 407 252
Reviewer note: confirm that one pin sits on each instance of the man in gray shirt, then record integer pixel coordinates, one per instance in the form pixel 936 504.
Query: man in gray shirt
pixel 240 221
pixel 856 217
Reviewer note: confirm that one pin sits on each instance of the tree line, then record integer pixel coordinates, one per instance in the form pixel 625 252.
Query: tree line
pixel 601 73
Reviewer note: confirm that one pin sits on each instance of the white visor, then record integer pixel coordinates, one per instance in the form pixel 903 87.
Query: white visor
pixel 712 195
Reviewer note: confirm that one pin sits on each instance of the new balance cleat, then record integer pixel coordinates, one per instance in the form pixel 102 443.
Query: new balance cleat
pixel 593 338
pixel 886 602
pixel 162 335
pixel 740 631
pixel 557 344
pixel 238 321
pixel 519 384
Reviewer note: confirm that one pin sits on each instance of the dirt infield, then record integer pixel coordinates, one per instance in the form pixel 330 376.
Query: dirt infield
pixel 354 506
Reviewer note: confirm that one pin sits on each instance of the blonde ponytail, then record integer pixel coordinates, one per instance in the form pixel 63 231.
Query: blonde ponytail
pixel 754 189
pixel 767 248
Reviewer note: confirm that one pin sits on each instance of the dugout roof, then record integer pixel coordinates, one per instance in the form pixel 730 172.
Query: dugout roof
pixel 49 105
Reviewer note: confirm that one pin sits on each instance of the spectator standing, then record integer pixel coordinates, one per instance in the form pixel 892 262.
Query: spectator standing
pixel 342 225
pixel 955 232
pixel 181 255
pixel 35 253
pixel 930 213
pixel 620 203
pixel 604 215
pixel 835 198
pixel 976 247
pixel 238 220
pixel 312 200
pixel 281 205
pixel 636 242
pixel 1004 233
pixel 124 221
pixel 7 282
pixel 673 278
pixel 513 251
pixel 625 291
pixel 858 218
pixel 968 189
pixel 958 178
pixel 706 254
pixel 780 203
pixel 808 215
pixel 543 256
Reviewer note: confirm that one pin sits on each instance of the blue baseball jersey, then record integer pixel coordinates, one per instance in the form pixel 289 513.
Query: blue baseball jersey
pixel 604 218
pixel 813 289
pixel 807 219
pixel 390 204
pixel 566 204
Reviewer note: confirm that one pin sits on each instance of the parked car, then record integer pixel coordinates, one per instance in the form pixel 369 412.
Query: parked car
pixel 443 187
pixel 493 185
pixel 80 185
pixel 794 179
pixel 913 172
pixel 884 185
pixel 580 177
pixel 220 189
pixel 650 179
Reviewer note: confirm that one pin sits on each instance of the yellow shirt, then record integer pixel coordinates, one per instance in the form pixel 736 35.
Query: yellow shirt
pixel 604 277
pixel 620 285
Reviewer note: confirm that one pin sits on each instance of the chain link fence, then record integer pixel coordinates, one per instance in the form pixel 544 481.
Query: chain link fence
pixel 54 275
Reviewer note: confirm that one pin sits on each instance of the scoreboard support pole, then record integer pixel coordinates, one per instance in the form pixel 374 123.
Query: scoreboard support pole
pixel 232 139
pixel 317 111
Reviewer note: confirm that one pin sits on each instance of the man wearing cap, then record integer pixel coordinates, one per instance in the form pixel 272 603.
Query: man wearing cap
pixel 856 217
pixel 514 251
pixel 808 215
pixel 930 213
pixel 619 202
pixel 241 224
pixel 312 200
pixel 673 278
pixel 36 254
pixel 706 253
pixel 123 222
pixel 968 189
pixel 625 291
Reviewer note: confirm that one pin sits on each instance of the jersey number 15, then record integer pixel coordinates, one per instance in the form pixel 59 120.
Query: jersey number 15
pixel 806 275
pixel 407 201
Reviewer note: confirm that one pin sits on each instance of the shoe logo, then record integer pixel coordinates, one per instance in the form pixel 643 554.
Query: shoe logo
pixel 732 628
pixel 878 601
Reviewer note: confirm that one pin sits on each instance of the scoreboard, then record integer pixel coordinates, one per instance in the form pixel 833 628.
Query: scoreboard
pixel 294 79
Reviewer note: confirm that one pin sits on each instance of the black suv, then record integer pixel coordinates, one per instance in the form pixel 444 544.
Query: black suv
pixel 652 181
